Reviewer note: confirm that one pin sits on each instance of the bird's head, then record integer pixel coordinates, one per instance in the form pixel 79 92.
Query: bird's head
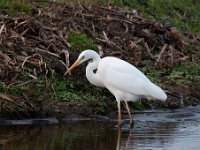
pixel 83 57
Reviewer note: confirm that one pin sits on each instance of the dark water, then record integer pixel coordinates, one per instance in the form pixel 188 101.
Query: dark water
pixel 178 130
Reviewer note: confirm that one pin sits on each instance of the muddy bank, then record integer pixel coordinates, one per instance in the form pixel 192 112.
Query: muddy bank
pixel 37 48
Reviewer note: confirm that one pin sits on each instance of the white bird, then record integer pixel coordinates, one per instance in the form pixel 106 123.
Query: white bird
pixel 122 79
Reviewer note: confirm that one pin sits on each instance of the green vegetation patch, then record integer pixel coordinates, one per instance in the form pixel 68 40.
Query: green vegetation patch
pixel 62 89
pixel 80 41
pixel 91 98
pixel 14 7
pixel 186 74
pixel 184 14
pixel 32 88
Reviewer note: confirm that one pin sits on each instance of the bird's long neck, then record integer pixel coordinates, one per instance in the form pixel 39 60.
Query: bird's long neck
pixel 92 72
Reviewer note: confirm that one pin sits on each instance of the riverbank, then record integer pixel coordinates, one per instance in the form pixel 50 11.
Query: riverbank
pixel 39 44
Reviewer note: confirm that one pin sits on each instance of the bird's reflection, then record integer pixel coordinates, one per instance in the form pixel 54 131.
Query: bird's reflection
pixel 122 145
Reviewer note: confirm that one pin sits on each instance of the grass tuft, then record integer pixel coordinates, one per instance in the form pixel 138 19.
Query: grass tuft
pixel 80 41
pixel 14 7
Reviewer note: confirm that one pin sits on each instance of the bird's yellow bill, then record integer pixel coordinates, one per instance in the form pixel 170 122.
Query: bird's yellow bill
pixel 72 67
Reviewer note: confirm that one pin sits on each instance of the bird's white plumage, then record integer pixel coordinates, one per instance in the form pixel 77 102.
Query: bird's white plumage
pixel 120 76
pixel 122 79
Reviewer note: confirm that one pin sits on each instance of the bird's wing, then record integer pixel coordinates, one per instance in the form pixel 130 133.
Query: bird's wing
pixel 123 76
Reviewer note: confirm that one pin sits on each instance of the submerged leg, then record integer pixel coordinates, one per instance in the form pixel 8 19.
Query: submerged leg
pixel 119 114
pixel 129 114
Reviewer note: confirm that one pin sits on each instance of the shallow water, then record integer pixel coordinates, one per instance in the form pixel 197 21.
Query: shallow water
pixel 175 130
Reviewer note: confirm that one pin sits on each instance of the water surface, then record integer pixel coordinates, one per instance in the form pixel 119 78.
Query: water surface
pixel 175 130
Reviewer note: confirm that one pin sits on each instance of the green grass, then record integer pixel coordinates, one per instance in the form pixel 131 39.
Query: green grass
pixel 186 74
pixel 33 89
pixel 183 73
pixel 59 89
pixel 80 41
pixel 62 89
pixel 81 93
pixel 14 7
pixel 184 14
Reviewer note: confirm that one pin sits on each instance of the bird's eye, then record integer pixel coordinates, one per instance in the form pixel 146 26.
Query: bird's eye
pixel 82 57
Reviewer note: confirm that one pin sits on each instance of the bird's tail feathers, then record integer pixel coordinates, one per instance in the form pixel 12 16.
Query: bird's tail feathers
pixel 158 93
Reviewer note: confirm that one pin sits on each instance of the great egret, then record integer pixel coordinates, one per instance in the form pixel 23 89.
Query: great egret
pixel 122 79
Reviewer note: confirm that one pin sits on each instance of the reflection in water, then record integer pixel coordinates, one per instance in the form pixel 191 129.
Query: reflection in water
pixel 154 132
pixel 77 135
pixel 120 145
pixel 146 135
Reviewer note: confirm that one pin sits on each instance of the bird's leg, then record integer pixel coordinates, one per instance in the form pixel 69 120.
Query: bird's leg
pixel 119 114
pixel 129 114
